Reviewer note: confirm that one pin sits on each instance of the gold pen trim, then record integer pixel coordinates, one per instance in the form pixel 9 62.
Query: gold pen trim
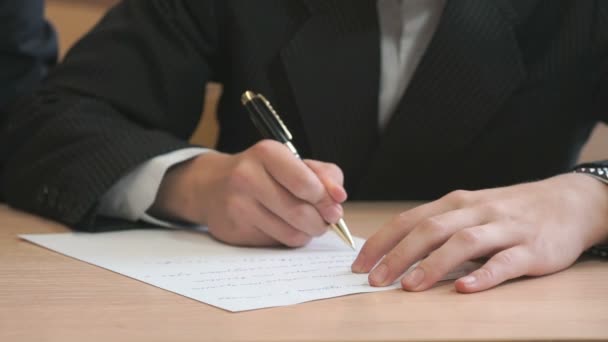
pixel 247 96
pixel 340 228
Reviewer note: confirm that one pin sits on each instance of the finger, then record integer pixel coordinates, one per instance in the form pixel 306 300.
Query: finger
pixel 252 219
pixel 236 228
pixel 464 245
pixel 278 229
pixel 393 232
pixel 332 178
pixel 250 179
pixel 508 264
pixel 251 237
pixel 299 214
pixel 297 178
pixel 254 237
pixel 423 239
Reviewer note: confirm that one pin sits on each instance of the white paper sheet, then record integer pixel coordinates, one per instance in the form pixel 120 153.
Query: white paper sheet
pixel 196 266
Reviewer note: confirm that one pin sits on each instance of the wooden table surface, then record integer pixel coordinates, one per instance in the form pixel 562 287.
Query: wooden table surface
pixel 45 296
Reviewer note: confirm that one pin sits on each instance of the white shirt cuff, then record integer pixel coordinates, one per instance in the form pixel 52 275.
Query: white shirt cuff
pixel 134 194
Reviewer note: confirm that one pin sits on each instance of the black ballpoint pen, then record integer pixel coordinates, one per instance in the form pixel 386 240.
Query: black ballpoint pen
pixel 270 125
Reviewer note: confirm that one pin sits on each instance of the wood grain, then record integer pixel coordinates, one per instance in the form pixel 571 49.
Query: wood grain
pixel 46 296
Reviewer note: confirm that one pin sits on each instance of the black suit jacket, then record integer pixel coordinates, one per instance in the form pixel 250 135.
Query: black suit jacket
pixel 507 91
pixel 28 47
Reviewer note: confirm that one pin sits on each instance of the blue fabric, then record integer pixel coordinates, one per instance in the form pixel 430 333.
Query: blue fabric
pixel 28 47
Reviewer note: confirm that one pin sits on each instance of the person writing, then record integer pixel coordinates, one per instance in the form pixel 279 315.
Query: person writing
pixel 479 107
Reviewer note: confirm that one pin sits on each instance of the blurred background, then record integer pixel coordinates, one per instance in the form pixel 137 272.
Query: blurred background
pixel 73 18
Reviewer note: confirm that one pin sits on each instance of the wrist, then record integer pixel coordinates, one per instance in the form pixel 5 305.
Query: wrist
pixel 597 171
pixel 594 191
pixel 171 198
pixel 184 190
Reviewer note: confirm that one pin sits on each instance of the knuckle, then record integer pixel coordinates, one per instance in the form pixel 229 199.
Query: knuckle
pixel 493 209
pixel 403 220
pixel 394 258
pixel 432 270
pixel 469 237
pixel 433 227
pixel 240 178
pixel 264 147
pixel 459 197
pixel 506 258
pixel 485 273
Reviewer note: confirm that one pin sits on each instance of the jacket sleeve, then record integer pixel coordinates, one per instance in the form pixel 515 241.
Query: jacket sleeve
pixel 130 90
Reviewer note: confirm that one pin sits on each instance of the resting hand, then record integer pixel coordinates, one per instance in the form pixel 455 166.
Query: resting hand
pixel 262 196
pixel 529 229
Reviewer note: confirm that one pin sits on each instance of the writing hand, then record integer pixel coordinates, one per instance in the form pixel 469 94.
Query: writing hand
pixel 529 229
pixel 262 196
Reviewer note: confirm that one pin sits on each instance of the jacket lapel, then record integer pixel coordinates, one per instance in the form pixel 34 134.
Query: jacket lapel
pixel 331 64
pixel 470 68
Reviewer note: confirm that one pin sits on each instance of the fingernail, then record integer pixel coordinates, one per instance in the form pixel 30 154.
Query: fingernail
pixel 378 275
pixel 468 280
pixel 414 278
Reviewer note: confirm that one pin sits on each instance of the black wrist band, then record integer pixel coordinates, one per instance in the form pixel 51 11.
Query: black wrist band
pixel 599 172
